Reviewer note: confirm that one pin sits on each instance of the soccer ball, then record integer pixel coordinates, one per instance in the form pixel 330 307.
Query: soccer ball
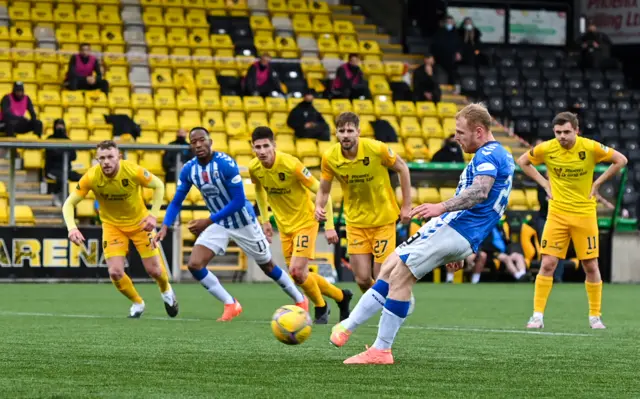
pixel 291 325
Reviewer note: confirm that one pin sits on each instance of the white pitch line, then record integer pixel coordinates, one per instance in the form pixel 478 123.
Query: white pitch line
pixel 427 328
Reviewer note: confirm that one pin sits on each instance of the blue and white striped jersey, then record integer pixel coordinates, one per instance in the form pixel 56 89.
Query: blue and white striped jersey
pixel 217 180
pixel 474 224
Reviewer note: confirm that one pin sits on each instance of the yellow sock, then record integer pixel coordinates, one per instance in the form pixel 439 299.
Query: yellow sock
pixel 163 280
pixel 311 289
pixel 125 286
pixel 542 292
pixel 327 288
pixel 594 295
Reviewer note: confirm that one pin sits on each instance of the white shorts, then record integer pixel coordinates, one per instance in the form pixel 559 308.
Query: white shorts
pixel 249 238
pixel 435 244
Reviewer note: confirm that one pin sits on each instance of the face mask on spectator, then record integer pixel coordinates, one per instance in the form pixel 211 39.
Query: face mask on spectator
pixel 59 131
pixel 468 27
pixel 449 26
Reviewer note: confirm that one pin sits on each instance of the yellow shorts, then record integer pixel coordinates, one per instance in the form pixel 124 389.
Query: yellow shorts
pixel 115 241
pixel 301 244
pixel 582 230
pixel 379 241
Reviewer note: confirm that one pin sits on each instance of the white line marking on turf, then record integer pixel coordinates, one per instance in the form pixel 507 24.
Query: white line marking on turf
pixel 428 328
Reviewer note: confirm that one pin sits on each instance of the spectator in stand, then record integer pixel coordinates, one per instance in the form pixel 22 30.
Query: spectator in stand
pixel 595 47
pixel 170 158
pixel 496 245
pixel 449 152
pixel 349 81
pixel 470 37
pixel 307 122
pixel 14 106
pixel 53 165
pixel 447 48
pixel 425 85
pixel 84 72
pixel 261 79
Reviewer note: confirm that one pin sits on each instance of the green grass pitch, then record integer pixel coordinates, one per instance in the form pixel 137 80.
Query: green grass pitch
pixel 74 341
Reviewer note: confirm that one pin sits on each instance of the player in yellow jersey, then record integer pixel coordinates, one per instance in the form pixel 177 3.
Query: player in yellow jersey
pixel 117 185
pixel 283 182
pixel 570 161
pixel 371 211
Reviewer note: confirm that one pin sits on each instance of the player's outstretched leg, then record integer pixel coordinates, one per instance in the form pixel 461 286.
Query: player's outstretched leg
pixel 198 261
pixel 342 297
pixel 155 268
pixel 370 303
pixel 299 269
pixel 276 274
pixel 394 313
pixel 124 284
pixel 593 285
pixel 544 283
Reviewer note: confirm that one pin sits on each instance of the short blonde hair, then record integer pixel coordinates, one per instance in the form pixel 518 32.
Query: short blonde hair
pixel 476 115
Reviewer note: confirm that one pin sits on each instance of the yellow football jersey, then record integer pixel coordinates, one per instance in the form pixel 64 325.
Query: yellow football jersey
pixel 119 197
pixel 571 173
pixel 369 200
pixel 285 183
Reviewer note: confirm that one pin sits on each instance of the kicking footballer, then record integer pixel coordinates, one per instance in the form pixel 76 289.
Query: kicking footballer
pixel 116 184
pixel 283 182
pixel 371 210
pixel 455 230
pixel 571 161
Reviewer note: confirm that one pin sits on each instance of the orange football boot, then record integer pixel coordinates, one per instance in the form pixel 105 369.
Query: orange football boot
pixel 304 304
pixel 231 311
pixel 372 356
pixel 339 335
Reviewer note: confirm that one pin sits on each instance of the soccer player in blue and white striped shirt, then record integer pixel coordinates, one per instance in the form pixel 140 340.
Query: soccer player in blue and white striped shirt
pixel 217 177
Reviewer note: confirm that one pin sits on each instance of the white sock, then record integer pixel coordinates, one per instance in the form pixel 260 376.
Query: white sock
pixel 449 277
pixel 537 315
pixel 475 278
pixel 369 304
pixel 519 274
pixel 289 287
pixel 387 329
pixel 212 284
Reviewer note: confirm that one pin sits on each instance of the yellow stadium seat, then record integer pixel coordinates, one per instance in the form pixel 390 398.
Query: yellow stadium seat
pixel 161 77
pixel 196 19
pixel 426 108
pixel 449 126
pixel 379 86
pixel 276 104
pixel 363 107
pixel 186 101
pixel 109 15
pixel 174 17
pixel 72 99
pixel 429 195
pixel 221 42
pixel 82 162
pixel 446 110
pixel 199 38
pixel 287 47
pixel 323 106
pixel 165 99
pixel 67 34
pixel 405 108
pixel 343 27
pixel 260 22
pixel 394 69
pixel 32 159
pixel 49 97
pixel 178 37
pixel 64 13
pixel 49 115
pixel 156 36
pixel 195 4
pixel 431 127
pixel 278 123
pixel 255 120
pixel 285 143
pixel 87 13
pixel 366 129
pixel 298 6
pixel 447 193
pixel 220 142
pixel 307 148
pixel 111 35
pixel 347 45
pixel 434 145
pixel 232 103
pixel 410 127
pixel 239 147
pixel 532 198
pixel 264 44
pixel 322 25
pixel 236 124
pixel 19 13
pixel 339 106
pixel 152 161
pixel 243 162
pixel 79 134
pixel 369 47
pixel 327 45
pixel 146 118
pixel 89 34
pixel 301 24
pixel 47 73
pixel 18 34
pixel 95 120
pixel 25 72
pixel 414 195
pixel 5 73
pixel 277 6
pixel 168 120
pixel 311 64
pixel 518 201
pixel 77 118
pixel 117 76
pixel 416 149
pixel 210 100
pixel 384 108
pixel 206 79
pixel 141 101
pixel 96 99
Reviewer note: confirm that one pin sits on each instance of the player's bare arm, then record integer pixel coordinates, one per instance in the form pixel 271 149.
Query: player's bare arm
pixel 75 236
pixel 321 200
pixel 618 161
pixel 149 223
pixel 475 194
pixel 400 167
pixel 527 167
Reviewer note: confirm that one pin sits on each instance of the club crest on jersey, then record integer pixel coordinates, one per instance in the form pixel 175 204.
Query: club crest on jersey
pixel 365 161
pixel 281 176
pixel 582 155
pixel 125 182
pixel 205 177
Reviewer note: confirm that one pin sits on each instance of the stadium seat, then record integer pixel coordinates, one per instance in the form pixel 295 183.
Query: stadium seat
pixel 518 201
pixel 429 195
pixel 426 108
pixel 431 128
pixel 410 127
pixel 86 209
pixel 446 110
pixel 416 150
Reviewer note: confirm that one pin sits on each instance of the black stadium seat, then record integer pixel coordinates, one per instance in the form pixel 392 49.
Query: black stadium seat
pixel 629 115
